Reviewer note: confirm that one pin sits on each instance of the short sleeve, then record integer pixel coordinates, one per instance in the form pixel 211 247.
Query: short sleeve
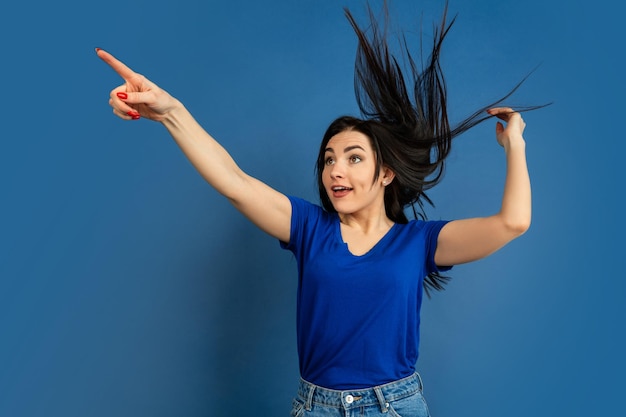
pixel 433 228
pixel 303 214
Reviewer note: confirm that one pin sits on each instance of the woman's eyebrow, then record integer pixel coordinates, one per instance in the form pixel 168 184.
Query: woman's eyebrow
pixel 346 149
pixel 353 147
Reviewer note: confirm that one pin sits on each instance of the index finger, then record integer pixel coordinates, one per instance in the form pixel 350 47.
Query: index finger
pixel 117 65
pixel 503 113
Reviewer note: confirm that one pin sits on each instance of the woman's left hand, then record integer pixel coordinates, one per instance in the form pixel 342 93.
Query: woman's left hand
pixel 514 125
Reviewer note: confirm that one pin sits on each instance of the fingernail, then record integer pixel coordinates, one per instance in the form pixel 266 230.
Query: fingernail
pixel 136 117
pixel 133 114
pixel 123 96
pixel 97 49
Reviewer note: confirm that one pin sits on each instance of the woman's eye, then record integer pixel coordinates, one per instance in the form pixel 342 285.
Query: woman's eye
pixel 329 161
pixel 355 159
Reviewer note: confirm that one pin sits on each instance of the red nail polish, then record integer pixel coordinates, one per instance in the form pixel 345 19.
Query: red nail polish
pixel 133 114
pixel 122 96
pixel 136 117
pixel 98 49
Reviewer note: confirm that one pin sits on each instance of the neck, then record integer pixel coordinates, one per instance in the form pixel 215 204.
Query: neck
pixel 367 222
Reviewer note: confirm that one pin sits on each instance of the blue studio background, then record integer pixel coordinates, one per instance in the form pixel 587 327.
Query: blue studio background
pixel 129 287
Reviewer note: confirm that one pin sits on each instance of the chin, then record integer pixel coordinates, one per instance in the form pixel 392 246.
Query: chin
pixel 342 208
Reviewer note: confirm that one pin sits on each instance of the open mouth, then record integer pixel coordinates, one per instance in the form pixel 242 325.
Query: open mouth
pixel 340 191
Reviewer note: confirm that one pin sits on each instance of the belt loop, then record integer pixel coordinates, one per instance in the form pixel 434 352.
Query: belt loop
pixel 384 405
pixel 309 397
pixel 420 381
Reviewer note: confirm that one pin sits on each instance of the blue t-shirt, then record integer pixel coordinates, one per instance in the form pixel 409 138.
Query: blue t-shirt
pixel 358 316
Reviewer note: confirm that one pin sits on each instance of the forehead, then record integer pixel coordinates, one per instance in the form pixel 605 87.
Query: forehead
pixel 348 138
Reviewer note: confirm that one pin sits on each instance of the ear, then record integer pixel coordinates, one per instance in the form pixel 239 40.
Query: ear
pixel 387 176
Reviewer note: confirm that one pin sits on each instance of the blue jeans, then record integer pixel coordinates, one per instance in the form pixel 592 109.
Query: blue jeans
pixel 402 398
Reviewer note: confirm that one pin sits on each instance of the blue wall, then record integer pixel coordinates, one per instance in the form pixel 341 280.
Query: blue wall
pixel 129 287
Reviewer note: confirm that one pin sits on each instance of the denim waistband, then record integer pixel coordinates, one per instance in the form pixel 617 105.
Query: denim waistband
pixel 380 395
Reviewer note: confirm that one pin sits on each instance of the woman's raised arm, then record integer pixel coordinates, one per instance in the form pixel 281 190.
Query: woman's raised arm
pixel 139 97
pixel 467 240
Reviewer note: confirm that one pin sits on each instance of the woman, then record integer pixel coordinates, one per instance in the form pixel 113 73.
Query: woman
pixel 362 264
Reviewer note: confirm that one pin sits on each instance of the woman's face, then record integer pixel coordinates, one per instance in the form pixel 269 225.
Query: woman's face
pixel 348 175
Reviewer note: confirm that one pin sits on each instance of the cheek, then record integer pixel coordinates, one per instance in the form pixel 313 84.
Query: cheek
pixel 325 177
pixel 326 173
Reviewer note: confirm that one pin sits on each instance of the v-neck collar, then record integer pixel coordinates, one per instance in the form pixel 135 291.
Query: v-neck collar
pixel 372 250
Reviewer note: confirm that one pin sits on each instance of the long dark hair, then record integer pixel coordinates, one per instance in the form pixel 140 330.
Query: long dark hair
pixel 410 133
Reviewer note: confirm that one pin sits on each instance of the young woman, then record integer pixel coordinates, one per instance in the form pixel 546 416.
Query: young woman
pixel 362 264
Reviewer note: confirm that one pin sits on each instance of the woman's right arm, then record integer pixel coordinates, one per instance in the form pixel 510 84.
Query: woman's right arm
pixel 138 97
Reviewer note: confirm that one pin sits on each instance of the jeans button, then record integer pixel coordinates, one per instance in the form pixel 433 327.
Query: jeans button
pixel 349 399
